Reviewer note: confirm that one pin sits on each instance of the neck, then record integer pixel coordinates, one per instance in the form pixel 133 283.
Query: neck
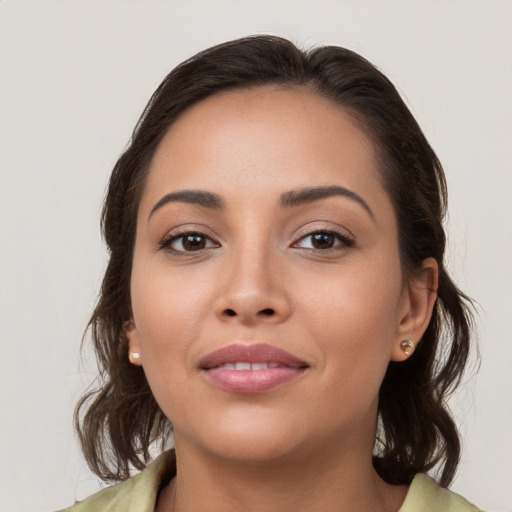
pixel 339 479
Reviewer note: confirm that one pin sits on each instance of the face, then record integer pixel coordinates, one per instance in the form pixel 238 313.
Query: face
pixel 267 291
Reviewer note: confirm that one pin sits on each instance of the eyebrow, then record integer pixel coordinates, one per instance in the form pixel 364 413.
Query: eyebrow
pixel 289 199
pixel 197 197
pixel 312 194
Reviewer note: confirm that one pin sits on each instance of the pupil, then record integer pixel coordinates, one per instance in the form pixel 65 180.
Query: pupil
pixel 194 242
pixel 323 241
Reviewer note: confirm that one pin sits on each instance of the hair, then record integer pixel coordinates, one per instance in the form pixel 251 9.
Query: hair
pixel 118 422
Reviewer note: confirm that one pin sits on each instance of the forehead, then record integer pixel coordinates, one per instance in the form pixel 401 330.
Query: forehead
pixel 263 140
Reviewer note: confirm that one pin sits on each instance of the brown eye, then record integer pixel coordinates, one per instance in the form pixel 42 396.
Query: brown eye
pixel 324 240
pixel 193 242
pixel 188 242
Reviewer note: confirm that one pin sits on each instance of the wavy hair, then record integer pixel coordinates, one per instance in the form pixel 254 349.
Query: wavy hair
pixel 119 420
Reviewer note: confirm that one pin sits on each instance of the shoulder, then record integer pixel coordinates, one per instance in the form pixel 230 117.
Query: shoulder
pixel 425 495
pixel 136 494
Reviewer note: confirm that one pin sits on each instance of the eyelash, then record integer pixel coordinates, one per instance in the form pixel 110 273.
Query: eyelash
pixel 346 241
pixel 166 243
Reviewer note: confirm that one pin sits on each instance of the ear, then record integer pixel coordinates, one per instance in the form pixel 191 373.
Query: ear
pixel 418 299
pixel 132 336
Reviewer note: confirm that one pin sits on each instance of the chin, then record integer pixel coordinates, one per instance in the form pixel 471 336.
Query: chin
pixel 254 439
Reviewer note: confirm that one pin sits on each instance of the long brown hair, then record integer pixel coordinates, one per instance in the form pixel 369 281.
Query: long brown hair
pixel 118 422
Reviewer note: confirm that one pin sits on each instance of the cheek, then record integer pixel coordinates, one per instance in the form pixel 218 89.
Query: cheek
pixel 354 319
pixel 168 311
pixel 166 315
pixel 363 300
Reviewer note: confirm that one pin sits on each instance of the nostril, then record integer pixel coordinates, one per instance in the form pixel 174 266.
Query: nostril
pixel 265 312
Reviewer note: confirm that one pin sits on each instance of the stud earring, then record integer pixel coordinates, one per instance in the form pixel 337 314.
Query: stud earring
pixel 407 346
pixel 134 357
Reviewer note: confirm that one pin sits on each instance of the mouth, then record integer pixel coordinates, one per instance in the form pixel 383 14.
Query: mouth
pixel 251 369
pixel 248 366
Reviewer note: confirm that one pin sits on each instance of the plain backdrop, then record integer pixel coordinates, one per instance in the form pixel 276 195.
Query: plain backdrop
pixel 74 77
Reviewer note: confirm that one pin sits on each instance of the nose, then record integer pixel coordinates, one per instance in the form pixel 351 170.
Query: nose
pixel 253 290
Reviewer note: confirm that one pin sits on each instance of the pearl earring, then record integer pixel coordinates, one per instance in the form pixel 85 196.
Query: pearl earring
pixel 407 346
pixel 134 357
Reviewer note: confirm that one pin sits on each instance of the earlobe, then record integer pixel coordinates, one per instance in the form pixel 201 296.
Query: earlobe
pixel 132 336
pixel 418 302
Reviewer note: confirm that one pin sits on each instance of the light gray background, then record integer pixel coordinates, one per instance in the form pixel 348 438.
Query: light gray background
pixel 75 76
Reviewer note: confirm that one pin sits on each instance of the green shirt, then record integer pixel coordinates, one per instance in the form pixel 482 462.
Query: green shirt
pixel 139 493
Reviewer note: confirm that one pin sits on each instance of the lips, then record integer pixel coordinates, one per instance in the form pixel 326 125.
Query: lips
pixel 251 369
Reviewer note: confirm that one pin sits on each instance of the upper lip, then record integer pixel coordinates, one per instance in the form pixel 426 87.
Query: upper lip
pixel 254 353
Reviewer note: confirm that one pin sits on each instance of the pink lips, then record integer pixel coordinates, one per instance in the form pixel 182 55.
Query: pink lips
pixel 251 369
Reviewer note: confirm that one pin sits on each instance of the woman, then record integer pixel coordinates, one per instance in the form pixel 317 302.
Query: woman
pixel 276 296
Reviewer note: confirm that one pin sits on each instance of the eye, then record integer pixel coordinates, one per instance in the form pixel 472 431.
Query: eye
pixel 188 242
pixel 324 240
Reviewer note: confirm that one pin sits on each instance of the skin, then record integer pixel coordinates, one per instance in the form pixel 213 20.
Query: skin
pixel 344 310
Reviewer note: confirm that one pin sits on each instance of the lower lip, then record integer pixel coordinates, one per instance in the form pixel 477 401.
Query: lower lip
pixel 252 381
